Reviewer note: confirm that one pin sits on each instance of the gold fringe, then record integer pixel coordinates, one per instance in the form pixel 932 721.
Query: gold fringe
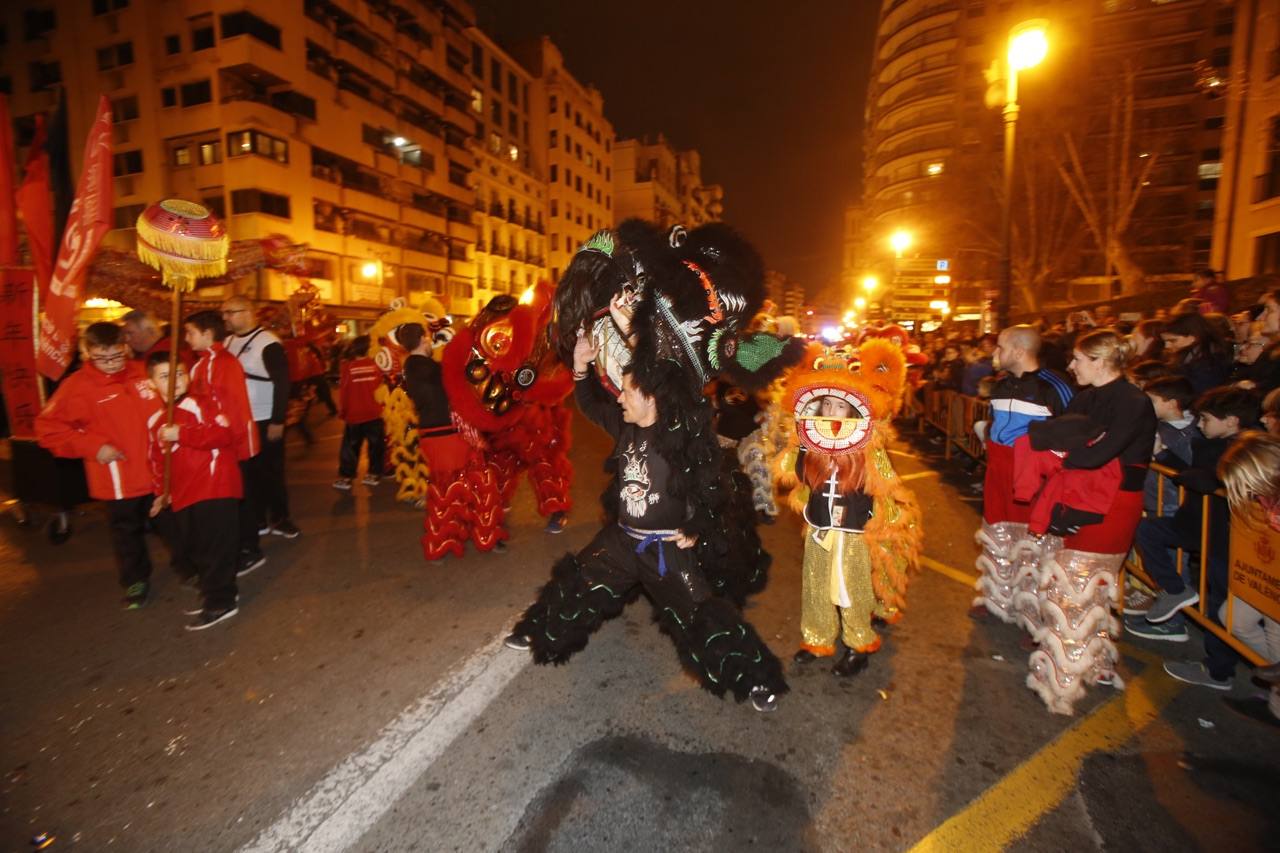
pixel 180 273
pixel 184 246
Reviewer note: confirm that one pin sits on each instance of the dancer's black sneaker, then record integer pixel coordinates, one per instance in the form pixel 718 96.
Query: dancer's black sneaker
pixel 763 699
pixel 519 642
pixel 557 522
pixel 851 664
pixel 209 618
pixel 249 562
pixel 287 529
pixel 804 656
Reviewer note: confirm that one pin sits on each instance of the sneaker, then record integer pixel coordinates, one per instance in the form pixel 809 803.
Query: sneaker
pixel 209 618
pixel 1167 604
pixel 764 700
pixel 371 480
pixel 249 562
pixel 1138 603
pixel 519 642
pixel 135 595
pixel 265 529
pixel 1195 672
pixel 1171 631
pixel 287 529
pixel 557 522
pixel 342 484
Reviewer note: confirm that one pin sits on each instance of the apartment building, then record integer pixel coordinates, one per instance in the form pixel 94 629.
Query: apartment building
pixel 343 124
pixel 510 176
pixel 654 181
pixel 579 144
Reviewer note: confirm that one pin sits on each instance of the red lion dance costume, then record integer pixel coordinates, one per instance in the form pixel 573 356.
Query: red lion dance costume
pixel 505 392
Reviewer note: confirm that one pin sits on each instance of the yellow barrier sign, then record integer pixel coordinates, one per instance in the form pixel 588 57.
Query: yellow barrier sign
pixel 1255 567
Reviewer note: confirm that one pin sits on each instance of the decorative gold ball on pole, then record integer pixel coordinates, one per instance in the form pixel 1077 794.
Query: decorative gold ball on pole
pixel 184 241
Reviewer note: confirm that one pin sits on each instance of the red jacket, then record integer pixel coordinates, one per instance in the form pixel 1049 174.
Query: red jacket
pixel 204 465
pixel 218 374
pixel 361 377
pixel 1040 479
pixel 92 408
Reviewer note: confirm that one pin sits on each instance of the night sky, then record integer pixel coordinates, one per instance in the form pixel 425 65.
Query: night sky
pixel 771 94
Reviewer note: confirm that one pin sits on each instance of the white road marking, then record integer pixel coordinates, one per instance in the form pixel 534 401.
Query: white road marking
pixel 346 803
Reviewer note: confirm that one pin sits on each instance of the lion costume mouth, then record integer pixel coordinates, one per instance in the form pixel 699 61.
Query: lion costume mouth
pixel 832 436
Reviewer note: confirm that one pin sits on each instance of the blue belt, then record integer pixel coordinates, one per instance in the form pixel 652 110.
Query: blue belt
pixel 650 537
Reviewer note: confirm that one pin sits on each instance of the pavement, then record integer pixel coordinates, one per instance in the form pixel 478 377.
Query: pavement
pixel 362 700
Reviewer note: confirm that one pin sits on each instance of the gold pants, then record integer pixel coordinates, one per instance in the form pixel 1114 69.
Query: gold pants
pixel 836 596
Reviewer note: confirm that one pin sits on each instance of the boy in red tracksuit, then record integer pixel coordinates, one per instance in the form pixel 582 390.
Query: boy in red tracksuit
pixel 99 414
pixel 219 374
pixel 361 411
pixel 204 488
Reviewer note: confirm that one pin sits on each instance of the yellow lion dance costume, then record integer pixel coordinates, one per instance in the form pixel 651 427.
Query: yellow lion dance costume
pixel 398 414
pixel 863 530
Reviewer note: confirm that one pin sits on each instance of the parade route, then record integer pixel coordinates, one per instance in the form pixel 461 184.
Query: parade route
pixel 363 701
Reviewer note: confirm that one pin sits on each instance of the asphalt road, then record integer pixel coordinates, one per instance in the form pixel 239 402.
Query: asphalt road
pixel 362 700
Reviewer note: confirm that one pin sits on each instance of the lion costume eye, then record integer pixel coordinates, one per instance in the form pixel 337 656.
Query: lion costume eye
pixel 496 339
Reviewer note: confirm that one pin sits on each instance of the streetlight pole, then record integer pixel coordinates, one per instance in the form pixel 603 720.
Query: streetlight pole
pixel 1027 48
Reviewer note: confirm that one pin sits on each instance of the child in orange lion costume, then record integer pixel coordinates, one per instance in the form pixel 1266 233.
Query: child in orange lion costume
pixel 862 533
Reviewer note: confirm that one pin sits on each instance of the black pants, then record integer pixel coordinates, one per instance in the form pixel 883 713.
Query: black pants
pixel 129 520
pixel 723 652
pixel 353 435
pixel 208 542
pixel 266 497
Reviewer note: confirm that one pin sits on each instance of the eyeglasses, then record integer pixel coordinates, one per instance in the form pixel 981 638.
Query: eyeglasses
pixel 107 359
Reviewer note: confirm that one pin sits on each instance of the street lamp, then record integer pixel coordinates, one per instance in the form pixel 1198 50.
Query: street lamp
pixel 859 302
pixel 900 241
pixel 1028 46
pixel 870 283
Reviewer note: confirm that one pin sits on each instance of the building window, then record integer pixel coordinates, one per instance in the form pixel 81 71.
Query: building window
pixel 477 61
pixel 210 152
pixel 1210 170
pixel 241 142
pixel 168 97
pixel 1214 122
pixel 577 183
pixel 202 35
pixel 513 91
pixel 102 7
pixel 115 56
pixel 555 208
pixel 1221 57
pixel 126 163
pixel 182 155
pixel 44 75
pixel 172 44
pixel 247 23
pixel 477 102
pixel 260 201
pixel 216 204
pixel 127 216
pixel 513 123
pixel 568 177
pixel 554 104
pixel 553 174
pixel 124 109
pixel 1266 254
pixel 194 94
pixel 495 75
pixel 1211 154
pixel 495 112
pixel 37 22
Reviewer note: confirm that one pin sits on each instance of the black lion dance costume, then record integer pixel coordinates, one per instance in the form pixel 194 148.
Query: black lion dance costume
pixel 659 315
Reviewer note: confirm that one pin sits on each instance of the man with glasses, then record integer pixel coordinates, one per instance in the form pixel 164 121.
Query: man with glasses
pixel 99 414
pixel 266 370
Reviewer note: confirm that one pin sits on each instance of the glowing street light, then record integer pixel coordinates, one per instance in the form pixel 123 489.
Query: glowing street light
pixel 870 283
pixel 859 303
pixel 369 270
pixel 900 241
pixel 1028 46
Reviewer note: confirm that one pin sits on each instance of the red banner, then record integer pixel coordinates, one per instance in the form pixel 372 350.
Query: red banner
pixel 35 200
pixel 8 213
pixel 18 378
pixel 89 220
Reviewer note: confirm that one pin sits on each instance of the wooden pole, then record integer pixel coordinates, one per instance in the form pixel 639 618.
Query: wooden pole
pixel 175 325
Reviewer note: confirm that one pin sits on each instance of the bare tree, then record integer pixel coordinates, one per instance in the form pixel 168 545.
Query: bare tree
pixel 1107 202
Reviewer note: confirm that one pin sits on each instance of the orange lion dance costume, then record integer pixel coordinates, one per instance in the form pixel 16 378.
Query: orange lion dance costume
pixel 863 532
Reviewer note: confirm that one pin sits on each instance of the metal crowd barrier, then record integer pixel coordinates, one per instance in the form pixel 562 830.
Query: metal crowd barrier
pixel 1254 562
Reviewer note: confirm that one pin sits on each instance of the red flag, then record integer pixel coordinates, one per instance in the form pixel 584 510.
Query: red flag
pixel 8 214
pixel 36 204
pixel 89 220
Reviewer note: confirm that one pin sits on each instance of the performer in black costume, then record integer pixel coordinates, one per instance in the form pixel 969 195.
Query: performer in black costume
pixel 670 319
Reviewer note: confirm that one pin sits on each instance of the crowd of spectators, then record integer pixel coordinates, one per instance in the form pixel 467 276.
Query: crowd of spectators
pixel 1213 379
